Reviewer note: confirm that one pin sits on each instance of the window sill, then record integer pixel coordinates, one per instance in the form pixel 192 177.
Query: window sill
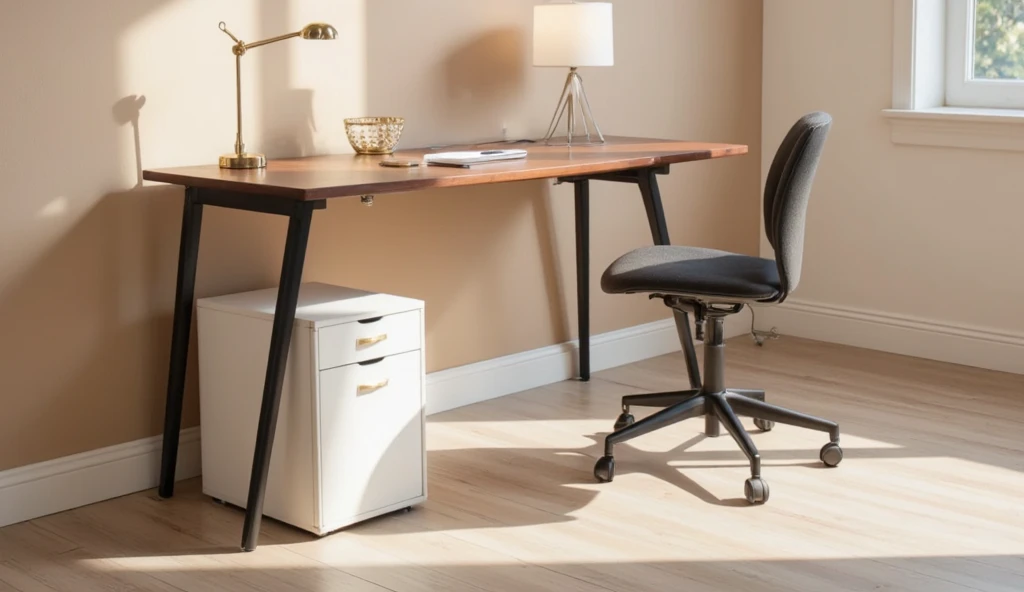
pixel 957 127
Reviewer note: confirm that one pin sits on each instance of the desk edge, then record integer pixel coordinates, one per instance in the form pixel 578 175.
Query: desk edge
pixel 418 184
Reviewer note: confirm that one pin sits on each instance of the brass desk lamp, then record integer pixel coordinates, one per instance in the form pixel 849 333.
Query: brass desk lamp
pixel 242 159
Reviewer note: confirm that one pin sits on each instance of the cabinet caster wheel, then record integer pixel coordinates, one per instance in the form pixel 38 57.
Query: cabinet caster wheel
pixel 604 470
pixel 218 501
pixel 756 490
pixel 626 419
pixel 764 425
pixel 831 454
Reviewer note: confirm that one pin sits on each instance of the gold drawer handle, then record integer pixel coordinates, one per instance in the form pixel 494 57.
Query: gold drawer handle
pixel 369 388
pixel 365 341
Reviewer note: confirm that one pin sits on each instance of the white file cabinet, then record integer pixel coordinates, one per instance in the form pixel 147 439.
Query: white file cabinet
pixel 350 434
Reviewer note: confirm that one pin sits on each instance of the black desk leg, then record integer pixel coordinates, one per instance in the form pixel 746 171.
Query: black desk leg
pixel 652 203
pixel 188 255
pixel 280 340
pixel 583 273
pixel 659 232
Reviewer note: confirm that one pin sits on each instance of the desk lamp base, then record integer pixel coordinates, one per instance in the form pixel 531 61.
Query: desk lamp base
pixel 574 106
pixel 245 160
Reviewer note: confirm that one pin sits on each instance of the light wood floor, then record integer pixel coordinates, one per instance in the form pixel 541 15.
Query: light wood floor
pixel 929 497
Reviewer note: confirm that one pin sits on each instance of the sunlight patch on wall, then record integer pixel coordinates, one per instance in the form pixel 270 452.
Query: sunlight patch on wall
pixel 328 79
pixel 55 208
pixel 177 57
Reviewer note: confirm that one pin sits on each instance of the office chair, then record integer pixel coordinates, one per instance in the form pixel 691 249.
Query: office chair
pixel 714 284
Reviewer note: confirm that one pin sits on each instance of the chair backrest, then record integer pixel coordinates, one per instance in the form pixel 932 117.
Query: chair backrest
pixel 787 190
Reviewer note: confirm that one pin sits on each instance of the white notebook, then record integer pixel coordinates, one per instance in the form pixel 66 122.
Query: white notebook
pixel 466 158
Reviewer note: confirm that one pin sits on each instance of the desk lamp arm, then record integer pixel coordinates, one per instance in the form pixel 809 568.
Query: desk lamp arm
pixel 239 50
pixel 311 31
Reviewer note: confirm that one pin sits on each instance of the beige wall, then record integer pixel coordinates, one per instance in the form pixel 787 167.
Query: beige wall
pixel 926 232
pixel 87 263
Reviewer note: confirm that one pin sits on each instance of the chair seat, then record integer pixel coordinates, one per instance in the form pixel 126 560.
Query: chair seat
pixel 693 271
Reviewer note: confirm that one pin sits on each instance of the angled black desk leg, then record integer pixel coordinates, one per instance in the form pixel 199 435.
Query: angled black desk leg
pixel 648 181
pixel 188 256
pixel 582 187
pixel 280 340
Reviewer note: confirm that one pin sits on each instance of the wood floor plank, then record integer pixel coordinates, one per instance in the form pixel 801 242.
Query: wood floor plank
pixel 927 498
pixel 351 555
pixel 14 578
pixel 37 559
pixel 190 543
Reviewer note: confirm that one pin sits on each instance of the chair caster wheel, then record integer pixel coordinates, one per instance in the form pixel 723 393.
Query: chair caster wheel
pixel 764 425
pixel 604 470
pixel 756 490
pixel 626 419
pixel 831 454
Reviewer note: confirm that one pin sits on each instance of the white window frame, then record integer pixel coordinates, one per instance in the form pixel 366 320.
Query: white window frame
pixel 962 89
pixel 920 114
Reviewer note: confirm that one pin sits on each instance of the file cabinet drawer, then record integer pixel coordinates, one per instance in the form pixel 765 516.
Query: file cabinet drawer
pixel 360 341
pixel 371 421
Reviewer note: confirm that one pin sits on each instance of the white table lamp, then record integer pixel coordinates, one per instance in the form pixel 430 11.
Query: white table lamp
pixel 572 35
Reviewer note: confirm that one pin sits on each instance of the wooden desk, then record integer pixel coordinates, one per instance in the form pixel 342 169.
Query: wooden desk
pixel 296 187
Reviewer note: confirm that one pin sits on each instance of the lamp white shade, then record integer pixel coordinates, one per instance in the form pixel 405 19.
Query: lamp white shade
pixel 571 35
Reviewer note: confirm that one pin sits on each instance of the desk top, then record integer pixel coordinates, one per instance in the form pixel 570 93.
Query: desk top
pixel 322 177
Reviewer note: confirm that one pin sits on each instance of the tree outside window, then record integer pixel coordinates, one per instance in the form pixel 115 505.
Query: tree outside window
pixel 999 40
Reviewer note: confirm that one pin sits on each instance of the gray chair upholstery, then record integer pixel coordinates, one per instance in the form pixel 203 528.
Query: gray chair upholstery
pixel 704 273
pixel 730 277
pixel 714 284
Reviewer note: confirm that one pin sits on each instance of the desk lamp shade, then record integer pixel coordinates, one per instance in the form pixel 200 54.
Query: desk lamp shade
pixel 318 31
pixel 573 35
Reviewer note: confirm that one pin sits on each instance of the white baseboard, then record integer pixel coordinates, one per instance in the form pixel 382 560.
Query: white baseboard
pixel 474 383
pixel 899 334
pixel 89 477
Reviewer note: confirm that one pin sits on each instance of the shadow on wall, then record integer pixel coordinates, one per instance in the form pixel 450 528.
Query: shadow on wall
pixel 87 271
pixel 466 86
pixel 481 258
pixel 87 274
pixel 484 71
pixel 84 343
pixel 287 120
pixel 79 271
pixel 128 110
pixel 484 259
pixel 289 133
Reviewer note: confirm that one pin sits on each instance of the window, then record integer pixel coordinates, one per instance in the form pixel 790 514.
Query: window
pixel 958 74
pixel 985 53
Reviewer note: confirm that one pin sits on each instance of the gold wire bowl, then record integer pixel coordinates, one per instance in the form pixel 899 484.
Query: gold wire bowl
pixel 374 135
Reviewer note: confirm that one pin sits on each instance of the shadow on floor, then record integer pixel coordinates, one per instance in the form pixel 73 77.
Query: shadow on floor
pixel 918 408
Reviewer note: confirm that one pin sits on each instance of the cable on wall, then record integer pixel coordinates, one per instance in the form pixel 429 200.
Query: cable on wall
pixel 761 336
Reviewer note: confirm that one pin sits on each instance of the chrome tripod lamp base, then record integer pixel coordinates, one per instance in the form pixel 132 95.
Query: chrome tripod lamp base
pixel 573 35
pixel 574 108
